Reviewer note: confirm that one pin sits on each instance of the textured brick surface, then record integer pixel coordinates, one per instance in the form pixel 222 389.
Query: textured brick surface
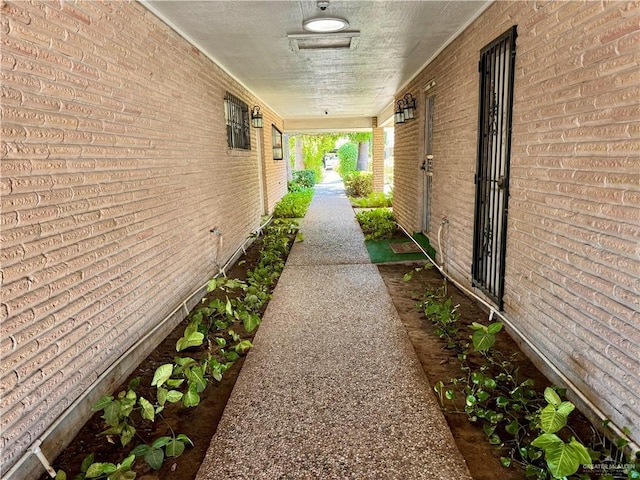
pixel 115 166
pixel 572 264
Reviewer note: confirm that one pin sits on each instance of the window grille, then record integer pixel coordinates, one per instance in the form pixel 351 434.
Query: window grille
pixel 496 67
pixel 236 114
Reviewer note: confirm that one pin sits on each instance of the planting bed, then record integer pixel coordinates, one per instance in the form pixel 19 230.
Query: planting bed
pixel 200 423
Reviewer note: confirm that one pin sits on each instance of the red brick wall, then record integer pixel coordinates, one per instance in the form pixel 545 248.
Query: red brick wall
pixel 115 166
pixel 572 251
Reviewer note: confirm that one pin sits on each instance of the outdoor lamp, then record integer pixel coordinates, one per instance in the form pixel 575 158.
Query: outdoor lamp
pixel 399 115
pixel 256 117
pixel 409 107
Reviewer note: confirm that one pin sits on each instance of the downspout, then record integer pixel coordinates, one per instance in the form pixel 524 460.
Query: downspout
pixel 494 313
pixel 35 447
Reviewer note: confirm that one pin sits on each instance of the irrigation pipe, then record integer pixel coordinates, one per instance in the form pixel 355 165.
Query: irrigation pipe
pixel 34 449
pixel 494 313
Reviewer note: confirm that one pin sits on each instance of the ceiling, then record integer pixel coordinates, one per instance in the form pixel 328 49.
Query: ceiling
pixel 320 87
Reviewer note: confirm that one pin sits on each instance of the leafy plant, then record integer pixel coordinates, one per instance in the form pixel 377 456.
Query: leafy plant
pixel 348 158
pixel 563 458
pixel 373 200
pixel 103 470
pixel 162 448
pixel 358 184
pixel 117 411
pixel 377 224
pixel 294 204
pixel 302 179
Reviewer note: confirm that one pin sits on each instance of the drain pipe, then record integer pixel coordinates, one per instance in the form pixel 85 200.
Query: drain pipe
pixel 495 313
pixel 35 447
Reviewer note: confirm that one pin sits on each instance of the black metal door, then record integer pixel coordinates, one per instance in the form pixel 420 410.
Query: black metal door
pixel 497 64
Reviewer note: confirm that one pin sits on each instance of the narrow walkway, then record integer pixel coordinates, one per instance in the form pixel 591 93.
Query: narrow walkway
pixel 332 388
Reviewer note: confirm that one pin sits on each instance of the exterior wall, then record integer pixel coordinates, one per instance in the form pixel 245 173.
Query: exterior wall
pixel 115 167
pixel 275 171
pixel 572 263
pixel 377 157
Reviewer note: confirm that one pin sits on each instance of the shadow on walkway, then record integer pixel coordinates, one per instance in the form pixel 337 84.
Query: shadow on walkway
pixel 332 388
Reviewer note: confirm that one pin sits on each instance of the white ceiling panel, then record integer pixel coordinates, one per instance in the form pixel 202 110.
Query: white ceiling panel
pixel 249 39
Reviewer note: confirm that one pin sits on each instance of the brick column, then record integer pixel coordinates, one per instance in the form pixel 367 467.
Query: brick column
pixel 378 156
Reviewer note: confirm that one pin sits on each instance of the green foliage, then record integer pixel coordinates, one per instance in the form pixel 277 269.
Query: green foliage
pixel 358 184
pixel 209 331
pixel 373 200
pixel 294 204
pixel 302 179
pixel 377 224
pixel 314 148
pixel 101 470
pixel 347 158
pixel 528 427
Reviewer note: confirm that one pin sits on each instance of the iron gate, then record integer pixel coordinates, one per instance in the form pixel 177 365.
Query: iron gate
pixel 497 65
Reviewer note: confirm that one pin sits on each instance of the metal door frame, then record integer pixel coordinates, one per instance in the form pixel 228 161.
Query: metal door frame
pixel 497 69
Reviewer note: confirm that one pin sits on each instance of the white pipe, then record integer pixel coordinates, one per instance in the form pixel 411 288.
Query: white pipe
pixel 493 312
pixel 35 448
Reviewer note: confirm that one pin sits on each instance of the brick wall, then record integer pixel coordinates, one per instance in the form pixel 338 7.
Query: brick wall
pixel 115 166
pixel 572 263
pixel 377 157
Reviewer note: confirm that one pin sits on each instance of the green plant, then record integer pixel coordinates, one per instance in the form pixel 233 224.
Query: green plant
pixel 109 471
pixel 563 458
pixel 377 224
pixel 348 158
pixel 293 204
pixel 117 412
pixel 358 184
pixel 302 179
pixel 373 200
pixel 161 448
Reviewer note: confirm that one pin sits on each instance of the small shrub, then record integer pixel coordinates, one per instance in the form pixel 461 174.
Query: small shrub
pixel 358 184
pixel 302 179
pixel 294 204
pixel 373 200
pixel 377 224
pixel 348 158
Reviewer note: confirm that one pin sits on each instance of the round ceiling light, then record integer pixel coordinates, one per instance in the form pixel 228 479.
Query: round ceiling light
pixel 325 25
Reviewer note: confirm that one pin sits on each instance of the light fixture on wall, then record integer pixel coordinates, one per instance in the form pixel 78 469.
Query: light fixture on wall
pixel 399 116
pixel 256 117
pixel 406 109
pixel 409 107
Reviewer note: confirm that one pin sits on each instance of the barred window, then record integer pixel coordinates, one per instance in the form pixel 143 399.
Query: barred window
pixel 236 114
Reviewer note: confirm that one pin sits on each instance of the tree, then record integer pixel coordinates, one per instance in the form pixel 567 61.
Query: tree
pixel 362 139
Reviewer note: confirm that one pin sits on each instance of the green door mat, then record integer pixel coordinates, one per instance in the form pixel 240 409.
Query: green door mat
pixel 380 251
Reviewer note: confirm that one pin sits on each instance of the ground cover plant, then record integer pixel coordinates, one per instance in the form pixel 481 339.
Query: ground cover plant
pixel 377 224
pixel 531 426
pixel 294 204
pixel 373 200
pixel 146 424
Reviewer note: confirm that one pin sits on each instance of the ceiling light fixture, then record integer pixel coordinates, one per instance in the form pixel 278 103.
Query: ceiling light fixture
pixel 325 24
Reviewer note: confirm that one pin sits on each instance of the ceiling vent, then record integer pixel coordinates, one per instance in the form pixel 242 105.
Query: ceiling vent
pixel 324 41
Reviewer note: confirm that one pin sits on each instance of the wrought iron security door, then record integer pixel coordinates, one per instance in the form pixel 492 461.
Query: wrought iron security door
pixel 497 64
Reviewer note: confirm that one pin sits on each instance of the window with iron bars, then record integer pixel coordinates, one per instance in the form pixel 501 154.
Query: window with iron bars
pixel 236 114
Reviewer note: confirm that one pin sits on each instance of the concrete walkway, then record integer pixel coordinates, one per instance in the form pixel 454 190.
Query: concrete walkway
pixel 332 388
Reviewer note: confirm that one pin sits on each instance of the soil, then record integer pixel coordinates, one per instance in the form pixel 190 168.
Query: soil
pixel 200 423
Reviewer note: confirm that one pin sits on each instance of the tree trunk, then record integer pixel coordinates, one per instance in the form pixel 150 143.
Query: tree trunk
pixel 363 156
pixel 299 165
